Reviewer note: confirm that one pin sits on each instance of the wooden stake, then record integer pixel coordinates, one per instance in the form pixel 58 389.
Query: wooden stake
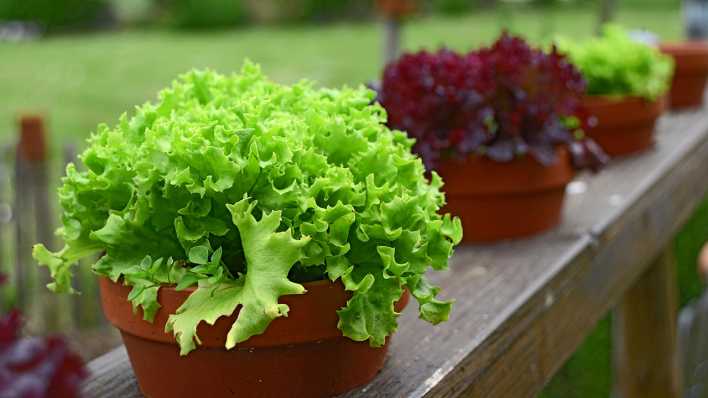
pixel 607 14
pixel 646 362
pixel 30 150
pixel 392 46
pixel 33 221
pixel 393 12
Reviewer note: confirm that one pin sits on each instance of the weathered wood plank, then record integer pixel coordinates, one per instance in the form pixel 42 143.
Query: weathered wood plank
pixel 693 338
pixel 23 242
pixel 523 307
pixel 645 351
pixel 693 345
pixel 107 376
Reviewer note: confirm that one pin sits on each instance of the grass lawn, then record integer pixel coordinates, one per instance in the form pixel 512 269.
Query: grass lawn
pixel 79 81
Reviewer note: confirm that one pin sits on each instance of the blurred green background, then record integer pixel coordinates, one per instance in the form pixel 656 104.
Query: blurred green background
pixel 98 58
pixel 79 78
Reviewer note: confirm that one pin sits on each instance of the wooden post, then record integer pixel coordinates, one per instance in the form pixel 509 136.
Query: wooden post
pixel 43 215
pixel 393 12
pixel 392 43
pixel 693 338
pixel 30 147
pixel 645 348
pixel 33 221
pixel 607 13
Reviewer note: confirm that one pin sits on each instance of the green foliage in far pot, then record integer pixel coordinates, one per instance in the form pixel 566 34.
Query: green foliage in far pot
pixel 617 64
pixel 243 188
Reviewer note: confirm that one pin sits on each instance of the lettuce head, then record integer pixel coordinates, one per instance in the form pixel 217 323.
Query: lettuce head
pixel 244 189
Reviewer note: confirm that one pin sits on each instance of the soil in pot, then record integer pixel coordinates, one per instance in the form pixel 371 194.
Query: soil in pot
pixel 690 74
pixel 302 355
pixel 623 125
pixel 497 201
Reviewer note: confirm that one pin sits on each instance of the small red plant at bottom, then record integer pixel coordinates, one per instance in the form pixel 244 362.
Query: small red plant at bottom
pixel 35 367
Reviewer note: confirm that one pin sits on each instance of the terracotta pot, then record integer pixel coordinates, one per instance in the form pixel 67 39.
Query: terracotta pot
pixel 498 201
pixel 624 125
pixel 303 355
pixel 691 72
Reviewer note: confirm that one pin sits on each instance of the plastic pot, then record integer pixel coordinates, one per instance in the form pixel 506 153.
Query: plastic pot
pixel 690 74
pixel 624 125
pixel 302 355
pixel 497 201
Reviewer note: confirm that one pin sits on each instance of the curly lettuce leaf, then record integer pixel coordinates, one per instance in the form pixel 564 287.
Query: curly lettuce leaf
pixel 146 277
pixel 432 309
pixel 369 314
pixel 270 256
pixel 60 263
pixel 616 64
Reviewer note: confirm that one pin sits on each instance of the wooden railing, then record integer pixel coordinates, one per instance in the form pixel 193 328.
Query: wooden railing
pixel 523 307
pixel 693 338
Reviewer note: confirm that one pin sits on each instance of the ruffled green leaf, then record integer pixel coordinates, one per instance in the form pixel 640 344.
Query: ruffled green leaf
pixel 61 262
pixel 617 64
pixel 431 309
pixel 269 255
pixel 370 314
pixel 144 295
pixel 199 255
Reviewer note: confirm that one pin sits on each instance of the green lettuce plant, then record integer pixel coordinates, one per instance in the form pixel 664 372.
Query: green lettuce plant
pixel 615 64
pixel 244 189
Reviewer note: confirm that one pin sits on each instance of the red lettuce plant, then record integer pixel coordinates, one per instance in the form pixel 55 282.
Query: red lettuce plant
pixel 34 367
pixel 501 101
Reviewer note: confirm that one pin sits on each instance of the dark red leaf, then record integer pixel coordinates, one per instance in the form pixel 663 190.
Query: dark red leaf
pixel 503 100
pixel 10 325
pixel 35 367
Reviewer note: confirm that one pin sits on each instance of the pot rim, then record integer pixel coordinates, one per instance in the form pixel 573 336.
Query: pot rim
pixel 691 57
pixel 519 176
pixel 559 148
pixel 191 289
pixel 634 110
pixel 685 48
pixel 312 317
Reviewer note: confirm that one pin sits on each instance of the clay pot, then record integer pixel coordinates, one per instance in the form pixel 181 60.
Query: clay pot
pixel 690 74
pixel 624 125
pixel 498 201
pixel 302 355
